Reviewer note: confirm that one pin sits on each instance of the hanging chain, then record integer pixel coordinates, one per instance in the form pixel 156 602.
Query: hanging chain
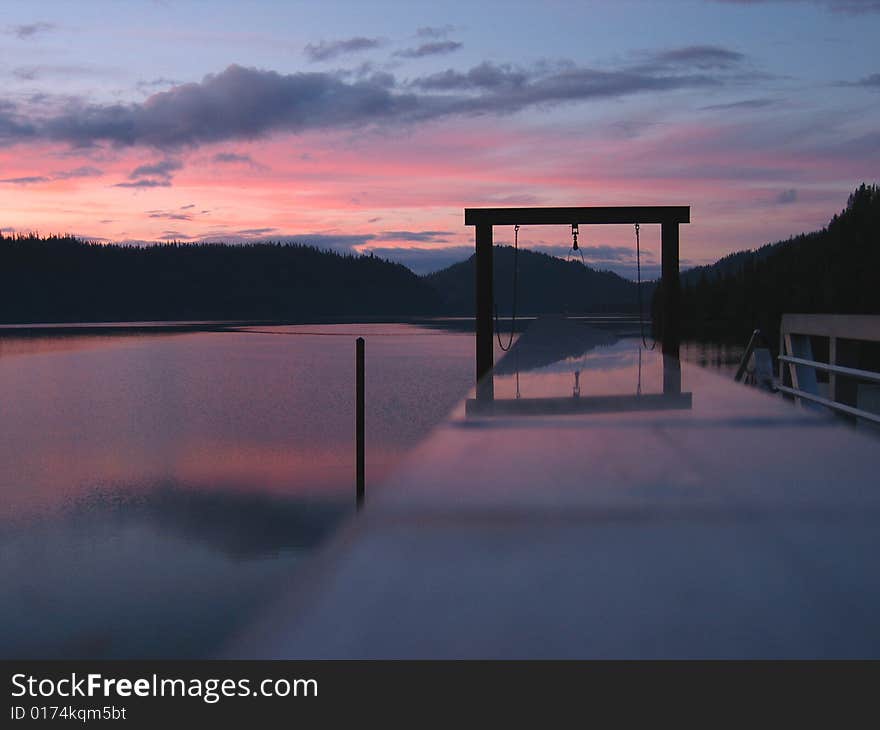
pixel 639 290
pixel 505 348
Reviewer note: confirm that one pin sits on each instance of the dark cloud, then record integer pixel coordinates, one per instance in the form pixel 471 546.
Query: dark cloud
pixel 367 71
pixel 415 236
pixel 485 76
pixel 187 207
pixel 787 196
pixel 869 82
pixel 26 73
pixel 167 215
pixel 238 103
pixel 435 31
pixel 29 30
pixel 13 126
pixel 864 149
pixel 235 158
pixel 175 236
pixel 491 88
pixel 256 231
pixel 849 7
pixel 84 171
pixel 326 50
pixel 163 168
pixel 232 157
pixel 144 184
pixel 701 57
pixel 745 104
pixel 244 103
pixel 77 172
pixel 151 84
pixel 571 85
pixel 433 48
pixel 152 175
pixel 27 180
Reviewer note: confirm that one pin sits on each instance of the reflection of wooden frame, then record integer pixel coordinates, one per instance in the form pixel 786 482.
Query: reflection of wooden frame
pixel 572 404
pixel 669 218
pixel 670 399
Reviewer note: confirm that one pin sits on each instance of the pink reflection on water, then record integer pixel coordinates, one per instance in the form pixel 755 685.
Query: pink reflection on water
pixel 251 411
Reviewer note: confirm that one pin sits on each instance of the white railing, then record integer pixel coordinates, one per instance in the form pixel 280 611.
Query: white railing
pixel 756 364
pixel 798 367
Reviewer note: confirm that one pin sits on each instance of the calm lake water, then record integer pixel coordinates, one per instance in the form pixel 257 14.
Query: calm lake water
pixel 156 490
pixel 159 489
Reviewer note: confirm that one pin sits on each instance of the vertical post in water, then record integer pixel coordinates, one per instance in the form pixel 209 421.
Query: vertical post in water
pixel 484 303
pixel 671 287
pixel 671 375
pixel 359 419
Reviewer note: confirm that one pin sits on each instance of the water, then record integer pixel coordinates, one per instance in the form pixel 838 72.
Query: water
pixel 159 489
pixel 723 357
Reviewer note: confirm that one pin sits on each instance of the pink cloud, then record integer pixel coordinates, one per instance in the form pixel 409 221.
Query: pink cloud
pixel 340 183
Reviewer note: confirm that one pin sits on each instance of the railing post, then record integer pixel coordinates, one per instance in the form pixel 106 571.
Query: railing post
pixel 832 360
pixel 744 360
pixel 359 420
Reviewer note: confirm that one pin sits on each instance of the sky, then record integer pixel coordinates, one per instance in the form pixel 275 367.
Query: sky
pixel 370 126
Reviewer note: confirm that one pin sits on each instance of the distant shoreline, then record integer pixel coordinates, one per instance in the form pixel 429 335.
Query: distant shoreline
pixel 460 323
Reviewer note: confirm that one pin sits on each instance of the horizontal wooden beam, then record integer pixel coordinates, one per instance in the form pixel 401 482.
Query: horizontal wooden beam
pixel 567 216
pixel 570 404
pixel 846 326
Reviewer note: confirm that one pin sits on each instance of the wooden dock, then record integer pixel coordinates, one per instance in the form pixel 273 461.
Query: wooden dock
pixel 735 525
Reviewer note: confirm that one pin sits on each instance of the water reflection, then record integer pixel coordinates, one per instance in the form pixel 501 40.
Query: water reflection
pixel 166 571
pixel 240 524
pixel 721 356
pixel 562 366
pixel 554 342
pixel 157 489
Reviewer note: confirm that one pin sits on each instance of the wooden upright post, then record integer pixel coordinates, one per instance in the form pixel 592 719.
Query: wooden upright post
pixel 671 375
pixel 671 288
pixel 484 304
pixel 359 421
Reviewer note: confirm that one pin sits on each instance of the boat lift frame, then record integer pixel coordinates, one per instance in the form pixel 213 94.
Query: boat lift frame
pixel 483 220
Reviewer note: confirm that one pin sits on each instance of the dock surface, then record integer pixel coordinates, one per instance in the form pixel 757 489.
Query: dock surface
pixel 731 524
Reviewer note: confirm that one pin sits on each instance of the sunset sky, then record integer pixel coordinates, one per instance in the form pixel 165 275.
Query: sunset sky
pixel 369 126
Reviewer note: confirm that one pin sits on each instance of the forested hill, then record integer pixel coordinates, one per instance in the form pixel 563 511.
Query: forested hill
pixel 546 285
pixel 63 279
pixel 835 270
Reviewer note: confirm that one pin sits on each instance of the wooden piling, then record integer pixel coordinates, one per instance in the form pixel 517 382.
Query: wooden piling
pixel 484 305
pixel 359 419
